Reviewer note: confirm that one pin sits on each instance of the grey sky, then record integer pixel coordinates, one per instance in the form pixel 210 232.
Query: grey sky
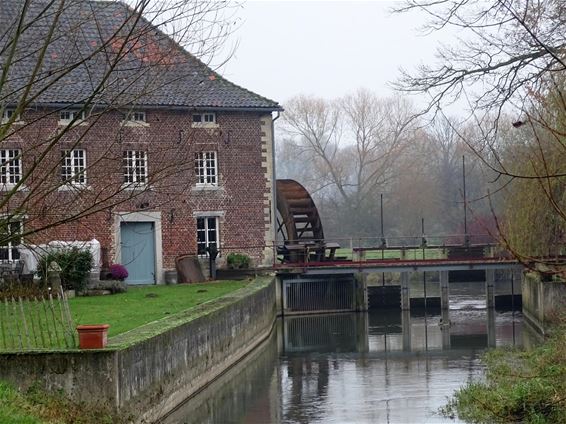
pixel 325 48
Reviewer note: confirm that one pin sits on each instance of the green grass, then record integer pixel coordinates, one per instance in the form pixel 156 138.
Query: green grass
pixel 14 409
pixel 141 305
pixel 520 386
pixel 37 407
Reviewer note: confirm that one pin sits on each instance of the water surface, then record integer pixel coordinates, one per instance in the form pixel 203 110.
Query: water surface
pixel 376 367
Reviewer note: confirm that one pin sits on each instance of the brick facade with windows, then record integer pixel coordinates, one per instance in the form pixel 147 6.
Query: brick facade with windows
pixel 171 144
pixel 164 145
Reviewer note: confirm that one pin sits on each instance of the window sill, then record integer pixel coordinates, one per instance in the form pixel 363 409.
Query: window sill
pixel 134 124
pixel 135 187
pixel 80 123
pixel 3 122
pixel 9 187
pixel 74 187
pixel 206 187
pixel 204 125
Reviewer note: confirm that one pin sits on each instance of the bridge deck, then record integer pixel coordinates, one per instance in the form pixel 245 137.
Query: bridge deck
pixel 396 265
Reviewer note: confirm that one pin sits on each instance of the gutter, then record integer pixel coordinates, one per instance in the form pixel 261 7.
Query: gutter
pixel 274 184
pixel 159 107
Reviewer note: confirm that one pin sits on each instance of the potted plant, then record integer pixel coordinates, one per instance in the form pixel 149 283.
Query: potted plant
pixel 119 272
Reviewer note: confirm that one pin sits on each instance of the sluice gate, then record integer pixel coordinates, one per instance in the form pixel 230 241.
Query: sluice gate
pixel 322 294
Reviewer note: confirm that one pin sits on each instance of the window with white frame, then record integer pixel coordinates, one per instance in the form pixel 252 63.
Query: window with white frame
pixel 68 115
pixel 204 119
pixel 7 114
pixel 10 237
pixel 136 116
pixel 207 234
pixel 135 167
pixel 10 166
pixel 206 168
pixel 73 166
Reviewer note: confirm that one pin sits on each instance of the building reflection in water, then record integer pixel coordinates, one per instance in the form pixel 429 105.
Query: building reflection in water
pixel 385 366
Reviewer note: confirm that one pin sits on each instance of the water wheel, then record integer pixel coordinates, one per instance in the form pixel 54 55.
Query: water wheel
pixel 298 219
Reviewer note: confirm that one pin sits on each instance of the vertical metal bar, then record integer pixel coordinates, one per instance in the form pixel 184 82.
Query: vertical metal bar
pixel 33 325
pixel 16 320
pixel 37 310
pixel 44 305
pixel 27 337
pixel 465 199
pixel 3 323
pixel 69 319
pixel 54 320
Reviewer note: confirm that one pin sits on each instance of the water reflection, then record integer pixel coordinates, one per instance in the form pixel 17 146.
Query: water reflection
pixel 363 368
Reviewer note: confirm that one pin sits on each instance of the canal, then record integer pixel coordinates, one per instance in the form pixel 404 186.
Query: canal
pixel 375 367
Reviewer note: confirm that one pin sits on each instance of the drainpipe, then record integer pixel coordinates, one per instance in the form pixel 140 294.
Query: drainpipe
pixel 274 186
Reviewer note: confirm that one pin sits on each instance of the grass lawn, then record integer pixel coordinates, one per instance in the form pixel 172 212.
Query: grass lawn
pixel 141 305
pixel 37 407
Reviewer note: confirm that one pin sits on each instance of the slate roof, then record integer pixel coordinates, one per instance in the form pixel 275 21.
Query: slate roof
pixel 130 59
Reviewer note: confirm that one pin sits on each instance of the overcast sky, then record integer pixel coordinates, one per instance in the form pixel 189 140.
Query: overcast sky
pixel 325 48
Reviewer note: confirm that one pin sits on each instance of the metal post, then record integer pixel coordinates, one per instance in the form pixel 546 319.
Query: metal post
pixel 491 336
pixel 445 328
pixel 406 325
pixel 382 234
pixel 405 295
pixel 444 292
pixel 466 240
pixel 490 288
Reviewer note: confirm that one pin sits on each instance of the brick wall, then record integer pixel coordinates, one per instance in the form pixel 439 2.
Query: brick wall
pixel 171 143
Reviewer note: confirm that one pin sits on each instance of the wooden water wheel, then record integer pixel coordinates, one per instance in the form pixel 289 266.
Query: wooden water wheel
pixel 298 219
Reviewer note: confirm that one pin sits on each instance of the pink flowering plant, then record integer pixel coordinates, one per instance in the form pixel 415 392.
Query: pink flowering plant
pixel 119 272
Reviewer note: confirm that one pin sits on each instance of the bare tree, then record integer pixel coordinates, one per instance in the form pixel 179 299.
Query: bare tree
pixel 351 147
pixel 92 63
pixel 509 60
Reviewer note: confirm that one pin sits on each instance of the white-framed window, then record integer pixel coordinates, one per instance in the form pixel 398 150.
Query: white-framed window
pixel 10 237
pixel 73 166
pixel 206 168
pixel 10 166
pixel 207 234
pixel 204 119
pixel 135 167
pixel 136 116
pixel 68 115
pixel 7 114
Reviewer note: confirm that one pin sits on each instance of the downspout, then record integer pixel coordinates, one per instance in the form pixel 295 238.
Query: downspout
pixel 274 186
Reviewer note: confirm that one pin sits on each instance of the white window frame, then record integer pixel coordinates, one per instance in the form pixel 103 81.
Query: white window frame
pixel 135 167
pixel 10 167
pixel 206 168
pixel 10 246
pixel 137 116
pixel 206 231
pixel 73 167
pixel 204 120
pixel 7 114
pixel 66 116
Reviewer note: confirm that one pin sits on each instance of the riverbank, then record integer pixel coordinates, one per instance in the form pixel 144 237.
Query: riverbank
pixel 147 371
pixel 35 406
pixel 519 386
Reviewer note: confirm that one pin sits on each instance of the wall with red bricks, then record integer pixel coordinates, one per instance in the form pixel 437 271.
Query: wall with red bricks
pixel 171 143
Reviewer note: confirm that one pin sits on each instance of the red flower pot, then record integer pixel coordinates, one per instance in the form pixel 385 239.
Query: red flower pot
pixel 93 336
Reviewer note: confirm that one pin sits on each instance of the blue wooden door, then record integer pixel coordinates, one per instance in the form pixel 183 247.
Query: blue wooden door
pixel 138 251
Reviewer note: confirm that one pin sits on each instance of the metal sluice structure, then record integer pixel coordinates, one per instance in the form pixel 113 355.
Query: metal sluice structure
pixel 321 275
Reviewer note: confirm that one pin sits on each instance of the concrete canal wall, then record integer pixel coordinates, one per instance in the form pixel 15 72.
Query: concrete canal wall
pixel 148 371
pixel 542 301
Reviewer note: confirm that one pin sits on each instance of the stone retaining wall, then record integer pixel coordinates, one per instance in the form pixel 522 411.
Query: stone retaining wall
pixel 148 371
pixel 542 301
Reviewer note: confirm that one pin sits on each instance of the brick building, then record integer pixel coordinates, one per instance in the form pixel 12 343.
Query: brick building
pixel 127 138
